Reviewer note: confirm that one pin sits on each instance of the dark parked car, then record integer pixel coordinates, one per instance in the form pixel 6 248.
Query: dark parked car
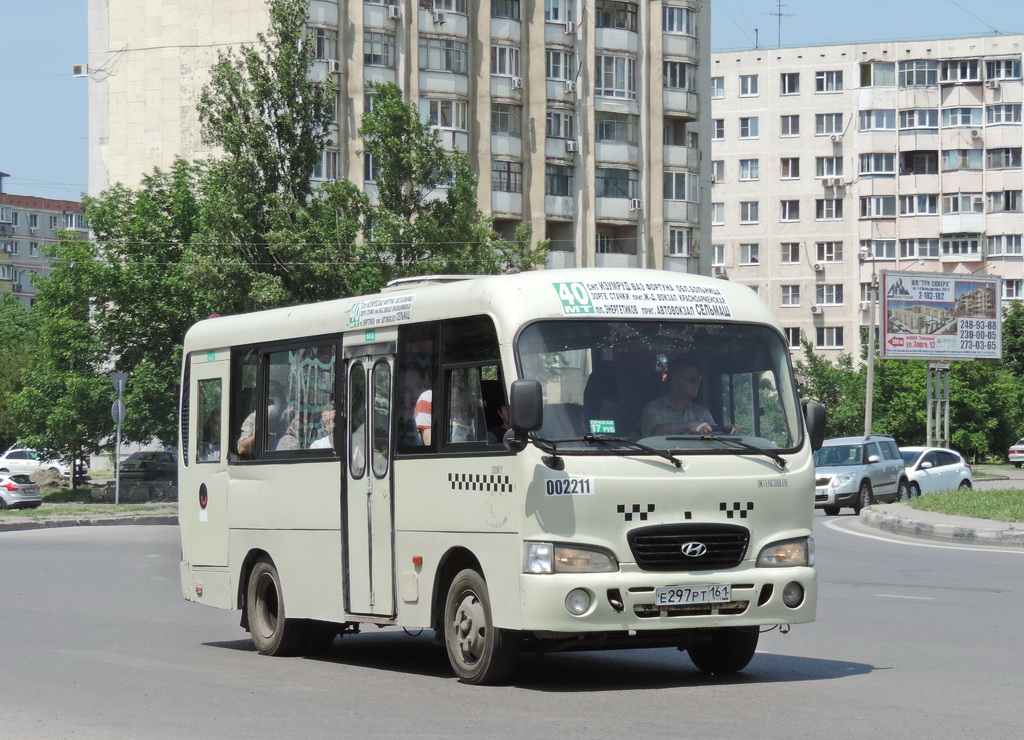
pixel 150 465
pixel 18 491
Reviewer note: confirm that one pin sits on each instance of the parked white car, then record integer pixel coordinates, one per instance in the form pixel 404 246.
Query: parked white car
pixel 933 469
pixel 23 461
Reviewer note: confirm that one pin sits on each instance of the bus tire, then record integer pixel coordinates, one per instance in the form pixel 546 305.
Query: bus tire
pixel 273 633
pixel 729 650
pixel 479 652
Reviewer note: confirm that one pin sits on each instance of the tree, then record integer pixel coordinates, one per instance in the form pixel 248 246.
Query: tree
pixel 19 343
pixel 839 387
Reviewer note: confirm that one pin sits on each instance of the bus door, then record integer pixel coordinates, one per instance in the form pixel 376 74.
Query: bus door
pixel 203 484
pixel 368 512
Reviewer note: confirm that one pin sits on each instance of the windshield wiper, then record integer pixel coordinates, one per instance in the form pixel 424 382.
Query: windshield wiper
pixel 779 459
pixel 605 439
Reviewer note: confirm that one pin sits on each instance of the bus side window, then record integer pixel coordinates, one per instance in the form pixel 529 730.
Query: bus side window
pixel 357 420
pixel 244 369
pixel 208 421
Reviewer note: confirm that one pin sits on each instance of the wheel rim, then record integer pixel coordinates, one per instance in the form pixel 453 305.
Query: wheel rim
pixel 267 606
pixel 469 625
pixel 865 496
pixel 915 490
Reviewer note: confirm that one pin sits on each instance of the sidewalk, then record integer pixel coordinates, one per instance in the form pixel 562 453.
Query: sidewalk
pixel 902 519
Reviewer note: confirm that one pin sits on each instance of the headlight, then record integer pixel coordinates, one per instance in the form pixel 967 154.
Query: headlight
pixel 842 479
pixel 547 557
pixel 787 554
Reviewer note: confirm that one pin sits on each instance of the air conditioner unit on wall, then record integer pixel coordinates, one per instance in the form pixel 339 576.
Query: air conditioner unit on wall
pixel 836 138
pixel 570 28
pixel 571 145
pixel 80 70
pixel 439 17
pixel 335 66
pixel 517 83
pixel 718 270
pixel 815 309
pixel 818 267
pixel 394 12
pixel 992 84
pixel 635 204
pixel 570 86
pixel 865 305
pixel 975 133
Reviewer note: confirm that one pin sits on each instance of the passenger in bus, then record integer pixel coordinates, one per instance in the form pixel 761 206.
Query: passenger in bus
pixel 275 409
pixel 497 432
pixel 327 421
pixel 675 412
pixel 423 414
pixel 289 440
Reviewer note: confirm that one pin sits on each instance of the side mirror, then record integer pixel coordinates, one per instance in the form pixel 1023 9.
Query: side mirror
pixel 874 459
pixel 525 413
pixel 815 417
pixel 924 465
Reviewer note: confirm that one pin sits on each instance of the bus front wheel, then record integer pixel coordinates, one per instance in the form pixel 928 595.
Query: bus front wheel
pixel 273 633
pixel 479 652
pixel 729 650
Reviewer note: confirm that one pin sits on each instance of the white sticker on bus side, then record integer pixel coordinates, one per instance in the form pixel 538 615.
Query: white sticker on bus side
pixel 570 487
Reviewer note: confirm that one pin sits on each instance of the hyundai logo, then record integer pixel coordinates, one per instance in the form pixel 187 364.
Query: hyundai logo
pixel 694 549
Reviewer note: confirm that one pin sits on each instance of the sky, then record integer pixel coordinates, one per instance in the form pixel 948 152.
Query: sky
pixel 43 114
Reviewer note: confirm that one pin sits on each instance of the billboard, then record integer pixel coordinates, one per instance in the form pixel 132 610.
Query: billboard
pixel 939 316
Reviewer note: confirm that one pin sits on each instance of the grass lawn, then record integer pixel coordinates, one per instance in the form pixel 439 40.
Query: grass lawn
pixel 79 502
pixel 1000 506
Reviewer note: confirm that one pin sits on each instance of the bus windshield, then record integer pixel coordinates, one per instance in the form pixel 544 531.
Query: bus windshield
pixel 675 386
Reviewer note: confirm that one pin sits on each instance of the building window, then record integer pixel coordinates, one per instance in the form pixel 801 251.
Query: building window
pixel 717 129
pixel 617 183
pixel 327 167
pixel 961 159
pixel 33 249
pixel 789 83
pixel 830 294
pixel 828 209
pixel 878 163
pixel 450 114
pixel 828 251
pixel 371 168
pixel 829 81
pixel 959 70
pixel 789 210
pixel 828 337
pixel 506 9
pixel 1002 201
pixel 718 214
pixel 559 10
pixel 718 254
pixel 615 14
pixel 877 120
pixel 792 336
pixel 616 127
pixel 790 295
pixel 748 86
pixel 615 77
pixel 1002 69
pixel 506 119
pixel 919 118
pixel 505 61
pixel 879 249
pixel 789 253
pixel 961 245
pixel 678 76
pixel 1003 113
pixel 379 49
pixel 681 186
pixel 748 127
pixel 749 212
pixel 559 124
pixel 560 65
pixel 828 167
pixel 961 117
pixel 680 241
pixel 1004 245
pixel 717 88
pixel 827 124
pixel 749 169
pixel 919 163
pixel 749 254
pixel 1013 290
pixel 789 125
pixel 717 170
pixel 1003 158
pixel 877 74
pixel 878 206
pixel 506 177
pixel 455 6
pixel 678 20
pixel 326 43
pixel 919 248
pixel 918 73
pixel 924 204
pixel 789 168
pixel 444 55
pixel 962 203
pixel 558 180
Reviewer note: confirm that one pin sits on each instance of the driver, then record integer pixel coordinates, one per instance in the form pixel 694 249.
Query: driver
pixel 676 412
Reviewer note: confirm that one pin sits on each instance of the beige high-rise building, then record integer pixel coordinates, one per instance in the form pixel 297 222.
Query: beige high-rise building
pixel 583 119
pixel 831 163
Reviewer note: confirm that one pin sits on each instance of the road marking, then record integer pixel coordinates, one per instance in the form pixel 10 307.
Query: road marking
pixel 832 524
pixel 901 596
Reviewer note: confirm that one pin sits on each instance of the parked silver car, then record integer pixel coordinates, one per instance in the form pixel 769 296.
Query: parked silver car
pixel 931 469
pixel 18 491
pixel 857 472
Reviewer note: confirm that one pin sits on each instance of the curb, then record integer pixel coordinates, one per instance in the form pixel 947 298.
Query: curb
pixel 13 526
pixel 991 535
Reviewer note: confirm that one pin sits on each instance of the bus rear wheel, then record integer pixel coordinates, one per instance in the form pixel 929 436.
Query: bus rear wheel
pixel 273 633
pixel 729 650
pixel 479 652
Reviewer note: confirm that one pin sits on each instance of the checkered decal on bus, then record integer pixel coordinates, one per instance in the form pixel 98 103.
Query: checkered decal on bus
pixel 736 507
pixel 480 482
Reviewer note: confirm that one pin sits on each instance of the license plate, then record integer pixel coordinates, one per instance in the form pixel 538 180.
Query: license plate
pixel 31 491
pixel 820 490
pixel 706 594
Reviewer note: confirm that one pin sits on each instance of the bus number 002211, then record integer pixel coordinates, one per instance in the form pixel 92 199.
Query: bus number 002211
pixel 569 486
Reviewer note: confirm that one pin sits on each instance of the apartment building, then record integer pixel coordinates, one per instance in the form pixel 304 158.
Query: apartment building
pixel 583 119
pixel 27 226
pixel 831 163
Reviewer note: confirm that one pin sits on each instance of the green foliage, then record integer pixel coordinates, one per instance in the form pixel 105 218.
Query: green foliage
pixel 20 345
pixel 839 387
pixel 1000 506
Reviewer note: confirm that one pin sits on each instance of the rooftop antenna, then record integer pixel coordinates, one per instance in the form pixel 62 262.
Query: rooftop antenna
pixel 2 176
pixel 779 14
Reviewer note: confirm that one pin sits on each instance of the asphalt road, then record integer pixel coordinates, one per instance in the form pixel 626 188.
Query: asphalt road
pixel 913 639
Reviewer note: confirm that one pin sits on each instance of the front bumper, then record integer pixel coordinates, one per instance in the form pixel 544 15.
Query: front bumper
pixel 825 496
